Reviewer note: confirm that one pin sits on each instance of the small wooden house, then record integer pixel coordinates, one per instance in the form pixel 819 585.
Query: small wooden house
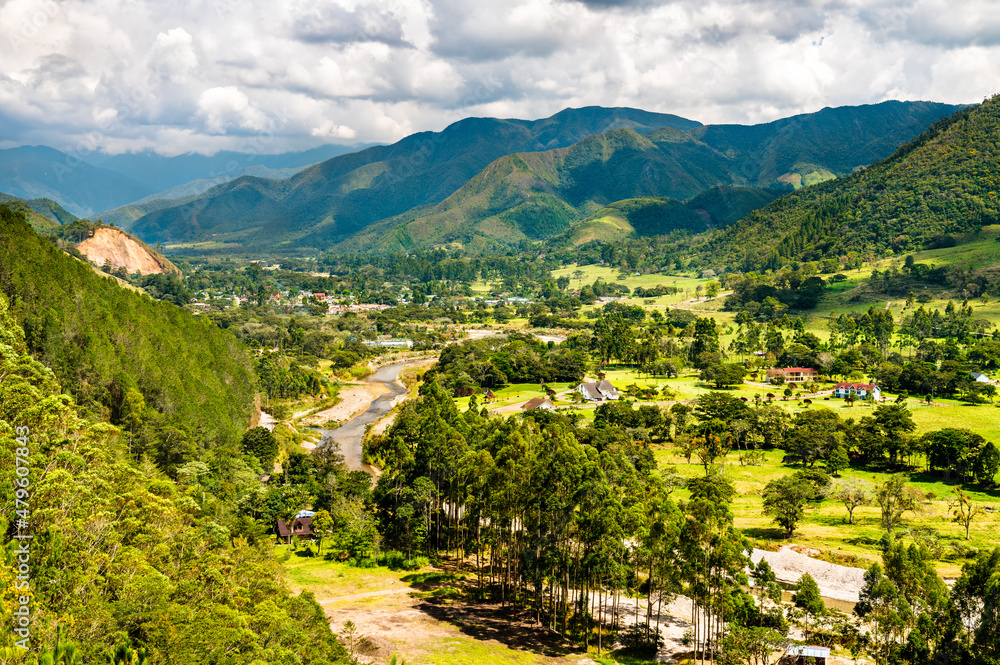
pixel 300 526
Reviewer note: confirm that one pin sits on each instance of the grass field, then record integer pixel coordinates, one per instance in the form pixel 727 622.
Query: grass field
pixel 976 252
pixel 420 616
pixel 825 527
pixel 983 418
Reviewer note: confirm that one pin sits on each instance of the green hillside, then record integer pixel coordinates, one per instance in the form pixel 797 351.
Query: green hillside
pixel 44 215
pixel 337 197
pixel 121 559
pixel 126 215
pixel 181 384
pixel 650 216
pixel 946 181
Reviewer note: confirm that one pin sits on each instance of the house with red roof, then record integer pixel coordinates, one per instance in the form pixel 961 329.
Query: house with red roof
pixel 300 526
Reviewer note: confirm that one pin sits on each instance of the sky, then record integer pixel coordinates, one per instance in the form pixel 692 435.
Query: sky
pixel 276 76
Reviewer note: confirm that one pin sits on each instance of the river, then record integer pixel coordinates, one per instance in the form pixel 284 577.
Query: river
pixel 350 434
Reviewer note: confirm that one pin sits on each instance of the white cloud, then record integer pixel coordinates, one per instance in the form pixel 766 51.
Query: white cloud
pixel 228 108
pixel 205 75
pixel 172 55
pixel 331 130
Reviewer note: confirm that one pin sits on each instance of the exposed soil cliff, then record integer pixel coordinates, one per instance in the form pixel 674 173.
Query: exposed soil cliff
pixel 123 251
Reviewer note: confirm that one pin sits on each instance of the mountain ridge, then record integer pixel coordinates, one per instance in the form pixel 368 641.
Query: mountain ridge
pixel 36 172
pixel 944 181
pixel 44 215
pixel 533 196
pixel 345 194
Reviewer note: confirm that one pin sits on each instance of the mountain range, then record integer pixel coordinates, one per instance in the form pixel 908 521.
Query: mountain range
pixel 99 182
pixel 347 193
pixel 946 181
pixel 483 183
pixel 480 184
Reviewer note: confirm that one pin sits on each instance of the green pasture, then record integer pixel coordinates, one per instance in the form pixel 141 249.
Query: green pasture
pixel 824 526
pixel 593 273
pixel 333 579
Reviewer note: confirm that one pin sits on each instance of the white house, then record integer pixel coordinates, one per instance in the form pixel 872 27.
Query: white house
pixel 856 390
pixel 596 391
pixel 543 403
pixel 808 654
pixel 979 378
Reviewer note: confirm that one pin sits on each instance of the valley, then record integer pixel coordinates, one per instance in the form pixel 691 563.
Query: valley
pixel 546 394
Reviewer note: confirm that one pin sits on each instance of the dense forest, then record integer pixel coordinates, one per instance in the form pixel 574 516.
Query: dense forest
pixel 124 561
pixel 179 385
pixel 569 521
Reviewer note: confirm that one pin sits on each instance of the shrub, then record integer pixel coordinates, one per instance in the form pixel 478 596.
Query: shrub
pixel 641 641
pixel 394 560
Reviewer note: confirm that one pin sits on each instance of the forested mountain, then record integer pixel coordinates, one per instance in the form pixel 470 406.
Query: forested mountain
pixel 121 557
pixel 713 208
pixel 44 215
pixel 945 181
pixel 484 182
pixel 183 388
pixel 347 193
pixel 124 216
pixel 538 195
pixel 32 172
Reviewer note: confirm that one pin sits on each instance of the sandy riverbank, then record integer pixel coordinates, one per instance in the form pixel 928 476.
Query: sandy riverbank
pixel 355 399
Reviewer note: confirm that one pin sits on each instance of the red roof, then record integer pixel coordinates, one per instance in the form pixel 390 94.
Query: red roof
pixel 301 526
pixel 791 370
pixel 856 386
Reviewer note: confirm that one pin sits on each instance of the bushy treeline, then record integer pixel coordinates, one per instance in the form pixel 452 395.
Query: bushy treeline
pixel 125 560
pixel 756 294
pixel 440 265
pixel 568 520
pixel 494 362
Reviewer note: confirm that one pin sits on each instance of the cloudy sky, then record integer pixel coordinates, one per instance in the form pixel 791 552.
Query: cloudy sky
pixel 204 75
